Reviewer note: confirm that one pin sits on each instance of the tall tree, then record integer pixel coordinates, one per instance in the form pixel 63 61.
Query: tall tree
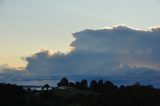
pixel 63 82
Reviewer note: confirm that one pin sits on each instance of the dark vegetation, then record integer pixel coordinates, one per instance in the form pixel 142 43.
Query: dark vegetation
pixel 95 93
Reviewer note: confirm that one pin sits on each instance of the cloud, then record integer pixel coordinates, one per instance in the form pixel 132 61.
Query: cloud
pixel 130 45
pixel 8 74
pixel 119 53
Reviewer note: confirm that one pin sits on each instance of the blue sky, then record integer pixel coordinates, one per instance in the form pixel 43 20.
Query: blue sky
pixel 27 26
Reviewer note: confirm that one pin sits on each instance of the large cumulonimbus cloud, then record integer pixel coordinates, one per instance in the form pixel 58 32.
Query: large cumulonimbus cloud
pixel 118 53
pixel 130 46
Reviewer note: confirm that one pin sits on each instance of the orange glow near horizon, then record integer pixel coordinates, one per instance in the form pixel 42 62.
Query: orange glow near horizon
pixel 19 61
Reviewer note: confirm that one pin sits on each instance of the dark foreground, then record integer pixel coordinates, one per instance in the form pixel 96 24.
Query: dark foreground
pixel 98 93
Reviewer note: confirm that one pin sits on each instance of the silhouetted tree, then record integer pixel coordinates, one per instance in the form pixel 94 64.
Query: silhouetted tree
pixel 110 87
pixel 93 85
pixel 78 85
pixel 84 84
pixel 46 86
pixel 100 82
pixel 11 94
pixel 63 82
pixel 100 94
pixel 71 84
pixel 101 87
pixel 109 83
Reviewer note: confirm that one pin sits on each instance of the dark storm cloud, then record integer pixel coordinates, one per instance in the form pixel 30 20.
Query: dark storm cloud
pixel 118 53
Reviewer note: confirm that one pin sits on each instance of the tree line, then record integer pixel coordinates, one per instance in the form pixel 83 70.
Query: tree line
pixel 80 93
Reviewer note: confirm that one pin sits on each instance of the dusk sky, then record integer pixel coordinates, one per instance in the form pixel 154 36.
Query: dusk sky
pixel 27 26
pixel 59 37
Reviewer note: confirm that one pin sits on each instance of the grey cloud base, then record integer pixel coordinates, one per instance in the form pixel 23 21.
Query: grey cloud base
pixel 121 54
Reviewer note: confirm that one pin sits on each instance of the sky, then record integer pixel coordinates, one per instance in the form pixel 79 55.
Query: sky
pixel 111 39
pixel 27 26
